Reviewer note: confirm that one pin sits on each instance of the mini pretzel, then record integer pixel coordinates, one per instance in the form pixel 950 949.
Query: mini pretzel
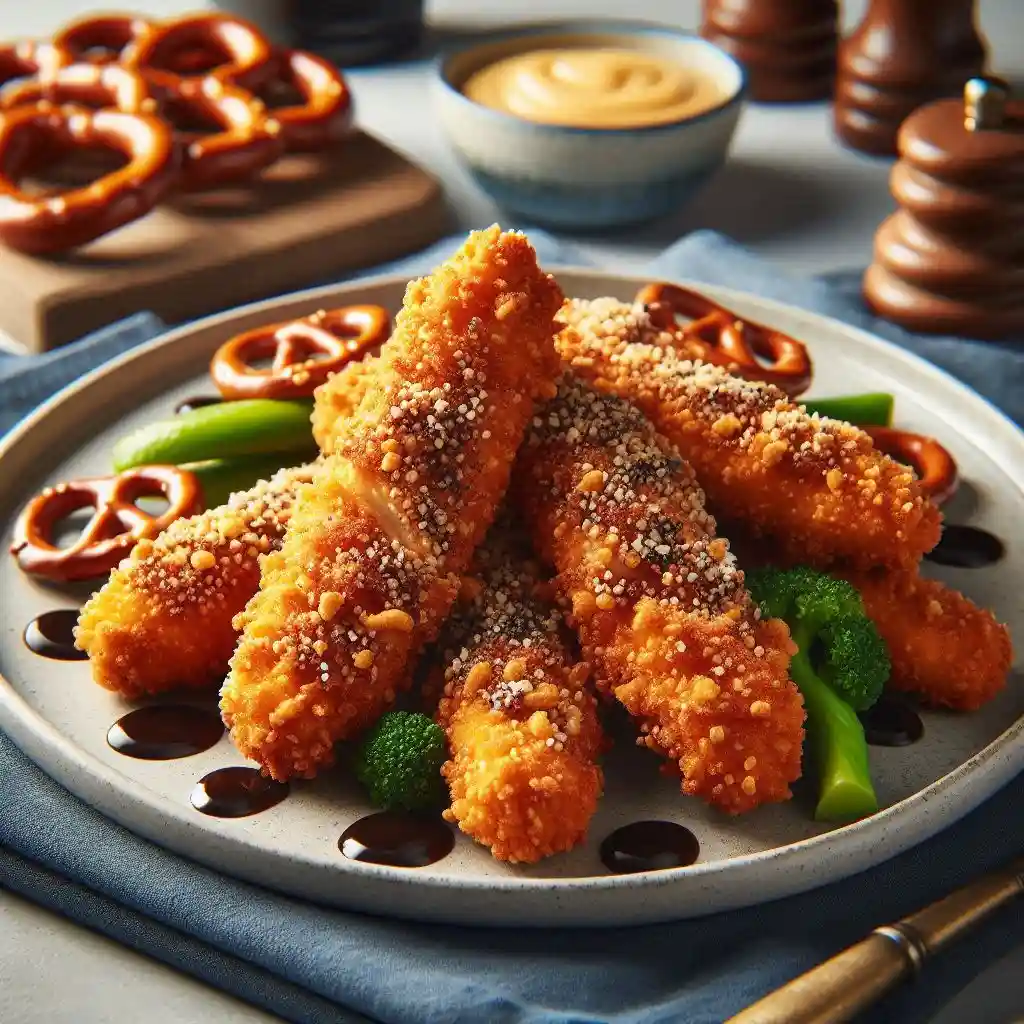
pixel 27 58
pixel 171 50
pixel 720 336
pixel 115 527
pixel 341 335
pixel 248 140
pixel 48 224
pixel 326 114
pixel 89 85
pixel 100 39
pixel 936 469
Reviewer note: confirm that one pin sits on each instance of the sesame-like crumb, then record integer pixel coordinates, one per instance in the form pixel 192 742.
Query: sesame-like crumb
pixel 817 486
pixel 521 722
pixel 407 487
pixel 658 599
pixel 164 618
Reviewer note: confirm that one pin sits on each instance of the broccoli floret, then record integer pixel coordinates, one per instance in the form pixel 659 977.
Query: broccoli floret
pixel 775 590
pixel 853 660
pixel 399 762
pixel 841 665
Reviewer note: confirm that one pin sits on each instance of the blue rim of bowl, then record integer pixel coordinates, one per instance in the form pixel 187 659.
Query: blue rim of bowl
pixel 586 27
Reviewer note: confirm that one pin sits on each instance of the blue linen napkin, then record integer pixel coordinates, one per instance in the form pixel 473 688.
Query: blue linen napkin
pixel 318 966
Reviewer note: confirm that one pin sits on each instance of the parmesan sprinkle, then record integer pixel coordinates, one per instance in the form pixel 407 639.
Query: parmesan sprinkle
pixel 507 648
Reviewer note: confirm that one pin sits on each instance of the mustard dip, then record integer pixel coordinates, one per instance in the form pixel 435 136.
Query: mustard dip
pixel 594 88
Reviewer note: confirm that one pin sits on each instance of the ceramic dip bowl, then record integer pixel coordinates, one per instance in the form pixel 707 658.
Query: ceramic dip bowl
pixel 590 177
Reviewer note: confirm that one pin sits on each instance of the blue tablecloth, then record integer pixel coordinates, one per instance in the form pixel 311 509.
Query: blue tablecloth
pixel 315 966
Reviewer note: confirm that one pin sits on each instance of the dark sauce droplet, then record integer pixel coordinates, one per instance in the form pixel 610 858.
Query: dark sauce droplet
pixel 649 846
pixel 163 732
pixel 400 840
pixel 52 635
pixel 236 793
pixel 967 547
pixel 196 402
pixel 891 722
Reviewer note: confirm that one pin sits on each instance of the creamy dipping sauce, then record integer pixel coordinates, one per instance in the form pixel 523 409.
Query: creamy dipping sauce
pixel 594 87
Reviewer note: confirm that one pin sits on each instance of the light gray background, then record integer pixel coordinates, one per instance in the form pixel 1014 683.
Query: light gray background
pixel 789 192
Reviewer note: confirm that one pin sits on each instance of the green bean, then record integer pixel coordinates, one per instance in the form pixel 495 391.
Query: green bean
pixel 227 430
pixel 868 410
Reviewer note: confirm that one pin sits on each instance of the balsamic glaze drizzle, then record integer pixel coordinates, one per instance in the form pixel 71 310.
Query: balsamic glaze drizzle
pixel 967 547
pixel 52 635
pixel 236 792
pixel 398 839
pixel 649 846
pixel 163 732
pixel 196 402
pixel 891 722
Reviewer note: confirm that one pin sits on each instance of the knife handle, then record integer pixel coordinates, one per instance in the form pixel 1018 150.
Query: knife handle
pixel 837 990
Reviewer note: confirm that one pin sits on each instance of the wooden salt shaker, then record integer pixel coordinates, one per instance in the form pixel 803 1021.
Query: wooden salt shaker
pixel 787 47
pixel 951 260
pixel 905 53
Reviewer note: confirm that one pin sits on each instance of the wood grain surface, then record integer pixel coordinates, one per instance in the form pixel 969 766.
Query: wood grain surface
pixel 309 218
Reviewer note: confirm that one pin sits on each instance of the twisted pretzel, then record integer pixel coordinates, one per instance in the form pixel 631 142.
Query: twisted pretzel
pixel 27 58
pixel 99 39
pixel 88 85
pixel 341 335
pixel 29 136
pixel 936 469
pixel 247 142
pixel 326 113
pixel 185 47
pixel 115 527
pixel 717 335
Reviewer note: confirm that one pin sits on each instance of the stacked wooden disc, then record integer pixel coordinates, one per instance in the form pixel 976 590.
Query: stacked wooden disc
pixel 903 54
pixel 787 47
pixel 951 260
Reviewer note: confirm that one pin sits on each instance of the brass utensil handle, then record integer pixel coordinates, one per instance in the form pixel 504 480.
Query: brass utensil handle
pixel 851 981
pixel 836 990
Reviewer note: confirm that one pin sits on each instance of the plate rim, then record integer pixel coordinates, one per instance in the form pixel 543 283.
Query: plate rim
pixel 1000 760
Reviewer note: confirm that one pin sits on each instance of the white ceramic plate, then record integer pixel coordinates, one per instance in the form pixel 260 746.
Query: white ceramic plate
pixel 60 718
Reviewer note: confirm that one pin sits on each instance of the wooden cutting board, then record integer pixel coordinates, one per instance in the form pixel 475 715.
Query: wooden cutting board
pixel 308 218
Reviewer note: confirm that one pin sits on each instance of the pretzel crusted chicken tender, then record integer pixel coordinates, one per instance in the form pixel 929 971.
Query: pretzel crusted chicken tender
pixel 943 647
pixel 369 567
pixel 522 728
pixel 658 599
pixel 817 487
pixel 163 619
pixel 339 397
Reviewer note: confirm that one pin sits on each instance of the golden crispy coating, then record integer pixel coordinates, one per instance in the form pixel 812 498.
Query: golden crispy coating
pixel 339 397
pixel 163 619
pixel 942 645
pixel 816 486
pixel 369 567
pixel 521 725
pixel 658 599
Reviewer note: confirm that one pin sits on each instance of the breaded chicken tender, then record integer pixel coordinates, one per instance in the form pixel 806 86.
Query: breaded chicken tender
pixel 943 647
pixel 658 599
pixel 370 563
pixel 522 727
pixel 163 619
pixel 818 488
pixel 339 397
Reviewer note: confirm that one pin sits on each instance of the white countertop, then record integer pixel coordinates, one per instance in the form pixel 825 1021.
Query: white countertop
pixel 789 192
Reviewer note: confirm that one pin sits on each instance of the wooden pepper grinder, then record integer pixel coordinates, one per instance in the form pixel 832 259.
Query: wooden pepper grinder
pixel 787 47
pixel 951 260
pixel 904 53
